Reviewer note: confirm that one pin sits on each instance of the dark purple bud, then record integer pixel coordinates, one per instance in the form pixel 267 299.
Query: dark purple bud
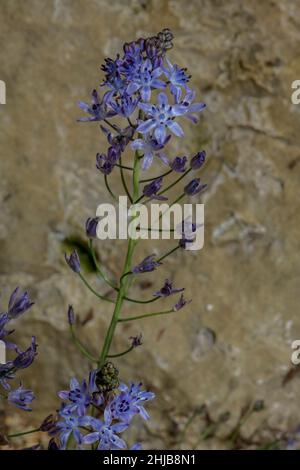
pixel 73 261
pixel 71 315
pixel 136 340
pixel 52 445
pixel 148 264
pixel 48 423
pixel 178 164
pixel 167 290
pixel 104 164
pixel 91 227
pixel 152 188
pixel 18 303
pixel 194 187
pixel 181 303
pixel 198 160
pixel 26 358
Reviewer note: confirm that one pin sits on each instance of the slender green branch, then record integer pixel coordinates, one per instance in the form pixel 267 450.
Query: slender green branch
pixel 124 167
pixel 108 188
pixel 111 356
pixel 146 315
pixel 125 184
pixel 102 297
pixel 174 182
pixel 80 346
pixel 156 177
pixel 136 301
pixel 102 273
pixel 18 434
pixel 168 253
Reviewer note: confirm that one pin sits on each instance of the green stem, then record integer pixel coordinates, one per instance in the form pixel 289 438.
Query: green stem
pixel 136 301
pixel 146 315
pixel 121 354
pixel 80 346
pixel 125 184
pixel 18 434
pixel 123 285
pixel 102 297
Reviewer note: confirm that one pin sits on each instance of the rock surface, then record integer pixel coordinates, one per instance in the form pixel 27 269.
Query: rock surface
pixel 232 344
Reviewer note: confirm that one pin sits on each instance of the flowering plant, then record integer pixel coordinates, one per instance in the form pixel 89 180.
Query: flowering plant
pixel 150 96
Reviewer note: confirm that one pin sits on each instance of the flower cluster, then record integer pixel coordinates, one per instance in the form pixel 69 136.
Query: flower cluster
pixel 18 304
pixel 135 88
pixel 113 412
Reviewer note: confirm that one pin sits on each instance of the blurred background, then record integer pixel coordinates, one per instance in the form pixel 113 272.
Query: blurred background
pixel 221 368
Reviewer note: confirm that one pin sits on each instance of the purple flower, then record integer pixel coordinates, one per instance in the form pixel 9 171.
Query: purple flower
pixel 178 164
pixel 198 160
pixel 21 398
pixel 70 425
pixel 4 319
pixel 190 108
pixel 106 162
pixel 167 289
pixel 18 304
pixel 73 261
pixel 150 147
pixel 78 395
pixel 177 77
pixel 130 402
pixel 145 79
pixel 71 315
pixel 26 358
pixel 6 373
pixel 91 227
pixel 125 105
pixel 119 140
pixel 181 303
pixel 148 264
pixel 188 231
pixel 106 433
pixel 97 110
pixel 136 340
pixel 150 190
pixel 161 117
pixel 194 187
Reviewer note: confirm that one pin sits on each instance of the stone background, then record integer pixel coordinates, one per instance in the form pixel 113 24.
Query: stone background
pixel 232 344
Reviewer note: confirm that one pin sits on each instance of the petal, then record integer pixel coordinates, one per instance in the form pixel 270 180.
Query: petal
pixel 147 107
pixel 74 383
pixel 146 126
pixel 160 133
pixel 158 84
pixel 147 160
pixel 175 128
pixel 119 427
pixel 179 109
pixel 90 438
pixel 196 107
pixel 132 88
pixel 64 394
pixel 143 413
pixel 162 99
pixel 138 144
pixel 146 93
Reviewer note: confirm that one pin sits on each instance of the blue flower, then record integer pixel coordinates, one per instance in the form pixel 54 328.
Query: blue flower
pixel 147 265
pixel 98 109
pixel 125 105
pixel 26 358
pixel 106 433
pixel 70 425
pixel 198 160
pixel 167 289
pixel 73 261
pixel 177 77
pixel 21 398
pixel 178 164
pixel 78 395
pixel 181 303
pixel 145 79
pixel 120 139
pixel 18 304
pixel 91 227
pixel 6 373
pixel 190 108
pixel 150 147
pixel 161 117
pixel 194 187
pixel 130 402
pixel 106 162
pixel 150 190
